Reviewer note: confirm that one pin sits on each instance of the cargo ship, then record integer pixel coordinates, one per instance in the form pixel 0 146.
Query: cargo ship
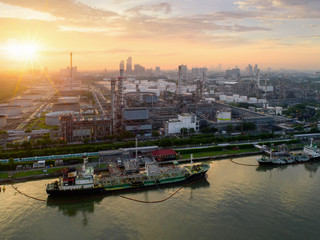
pixel 85 181
pixel 282 157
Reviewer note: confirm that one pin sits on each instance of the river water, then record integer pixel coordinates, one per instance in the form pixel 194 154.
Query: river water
pixel 234 202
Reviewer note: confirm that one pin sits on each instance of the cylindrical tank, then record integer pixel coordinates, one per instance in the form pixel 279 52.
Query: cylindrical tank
pixel 223 116
pixel 11 111
pixel 245 98
pixel 52 119
pixel 235 96
pixel 252 100
pixel 278 110
pixel 68 100
pixel 3 121
pixel 24 102
pixel 59 107
pixel 230 99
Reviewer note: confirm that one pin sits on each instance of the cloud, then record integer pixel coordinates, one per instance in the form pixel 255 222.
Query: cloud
pixel 291 9
pixel 164 8
pixel 70 10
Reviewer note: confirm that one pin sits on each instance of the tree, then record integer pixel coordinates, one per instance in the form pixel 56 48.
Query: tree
pixel 229 129
pixel 155 134
pixel 184 131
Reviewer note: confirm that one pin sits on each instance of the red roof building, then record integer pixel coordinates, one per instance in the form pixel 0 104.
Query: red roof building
pixel 164 154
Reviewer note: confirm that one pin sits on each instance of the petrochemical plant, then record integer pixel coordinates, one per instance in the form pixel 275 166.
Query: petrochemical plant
pixel 92 106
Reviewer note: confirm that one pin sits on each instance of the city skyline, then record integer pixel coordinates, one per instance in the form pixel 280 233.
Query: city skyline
pixel 274 33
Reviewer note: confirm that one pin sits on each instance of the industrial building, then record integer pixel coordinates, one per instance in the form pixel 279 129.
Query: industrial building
pixel 77 129
pixel 137 120
pixel 53 118
pixel 174 126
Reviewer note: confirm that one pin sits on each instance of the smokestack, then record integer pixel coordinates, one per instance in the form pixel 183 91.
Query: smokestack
pixel 71 69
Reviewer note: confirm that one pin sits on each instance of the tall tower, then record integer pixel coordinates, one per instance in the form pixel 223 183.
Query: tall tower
pixel 113 106
pixel 129 65
pixel 179 80
pixel 71 70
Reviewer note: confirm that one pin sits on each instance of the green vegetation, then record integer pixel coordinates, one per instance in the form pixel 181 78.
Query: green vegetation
pixel 3 175
pixel 95 147
pixel 36 172
pixel 10 84
pixel 222 152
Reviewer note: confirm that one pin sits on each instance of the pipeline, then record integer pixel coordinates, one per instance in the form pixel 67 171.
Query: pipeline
pixel 244 164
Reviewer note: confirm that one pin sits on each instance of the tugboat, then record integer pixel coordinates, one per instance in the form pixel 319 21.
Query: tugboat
pixel 74 182
pixel 281 157
pixel 312 151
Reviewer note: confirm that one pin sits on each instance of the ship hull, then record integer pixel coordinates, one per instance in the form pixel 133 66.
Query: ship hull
pixel 312 159
pixel 59 192
pixel 105 190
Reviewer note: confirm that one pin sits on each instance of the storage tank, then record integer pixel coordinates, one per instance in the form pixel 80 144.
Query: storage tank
pixel 230 99
pixel 223 97
pixel 59 107
pixel 235 96
pixel 3 121
pixel 223 116
pixel 252 100
pixel 245 98
pixel 24 102
pixel 52 119
pixel 68 100
pixel 10 110
pixel 278 110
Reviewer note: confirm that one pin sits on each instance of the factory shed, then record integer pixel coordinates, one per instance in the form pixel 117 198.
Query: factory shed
pixel 164 154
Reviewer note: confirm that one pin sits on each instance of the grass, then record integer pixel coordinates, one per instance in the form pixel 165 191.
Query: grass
pixel 216 153
pixel 36 172
pixel 3 175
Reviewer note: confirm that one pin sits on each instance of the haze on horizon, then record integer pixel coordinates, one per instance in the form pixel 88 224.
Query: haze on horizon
pixel 100 33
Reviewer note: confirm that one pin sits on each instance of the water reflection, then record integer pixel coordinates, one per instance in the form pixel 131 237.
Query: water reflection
pixel 312 168
pixel 71 206
pixel 266 168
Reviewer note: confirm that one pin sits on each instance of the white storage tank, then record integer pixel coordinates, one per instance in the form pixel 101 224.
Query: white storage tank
pixel 3 121
pixel 223 116
pixel 262 100
pixel 223 97
pixel 278 110
pixel 252 100
pixel 68 100
pixel 235 96
pixel 24 102
pixel 59 107
pixel 230 99
pixel 52 119
pixel 244 98
pixel 10 110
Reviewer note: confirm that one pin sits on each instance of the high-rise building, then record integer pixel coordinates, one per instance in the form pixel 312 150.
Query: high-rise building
pixel 129 65
pixel 249 69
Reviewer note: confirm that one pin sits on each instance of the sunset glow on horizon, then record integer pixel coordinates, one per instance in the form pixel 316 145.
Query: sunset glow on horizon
pixel 274 33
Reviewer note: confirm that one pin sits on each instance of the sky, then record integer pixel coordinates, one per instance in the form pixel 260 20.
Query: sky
pixel 101 33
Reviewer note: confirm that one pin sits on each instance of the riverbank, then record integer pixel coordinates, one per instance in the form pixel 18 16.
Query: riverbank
pixel 46 175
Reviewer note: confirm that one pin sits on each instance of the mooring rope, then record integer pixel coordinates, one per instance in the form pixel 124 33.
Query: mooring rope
pixel 244 164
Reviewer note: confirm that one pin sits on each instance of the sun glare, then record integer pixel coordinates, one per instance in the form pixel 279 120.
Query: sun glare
pixel 26 51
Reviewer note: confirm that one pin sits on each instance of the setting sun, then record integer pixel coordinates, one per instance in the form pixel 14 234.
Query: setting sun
pixel 25 51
